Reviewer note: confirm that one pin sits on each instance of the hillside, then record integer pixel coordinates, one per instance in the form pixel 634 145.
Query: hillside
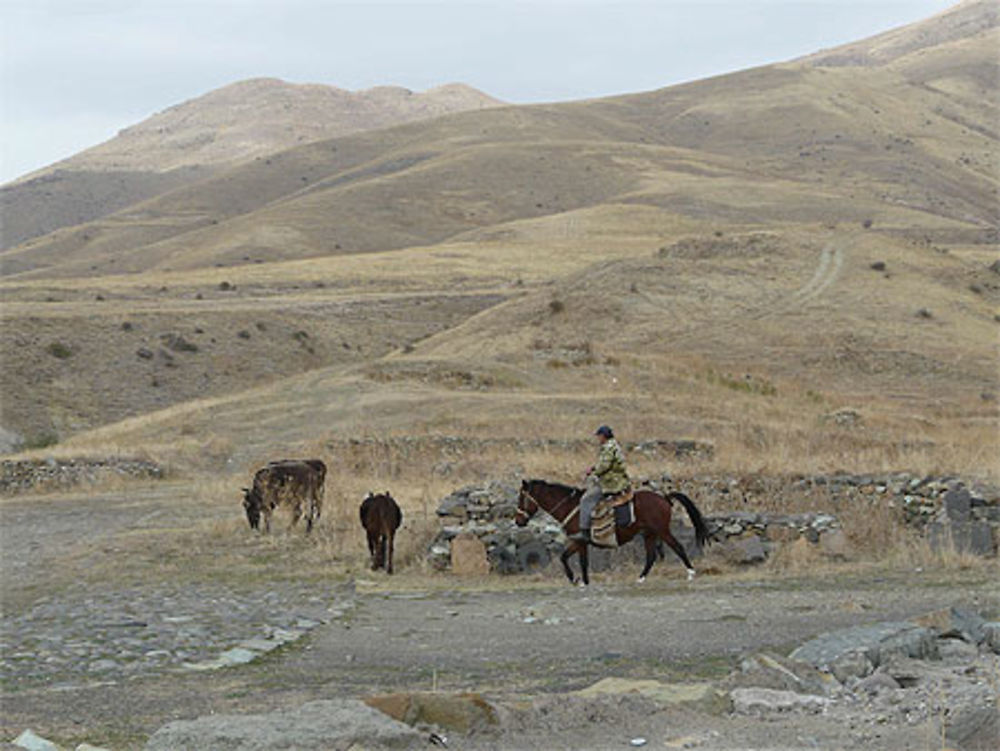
pixel 262 115
pixel 916 135
pixel 736 260
pixel 192 140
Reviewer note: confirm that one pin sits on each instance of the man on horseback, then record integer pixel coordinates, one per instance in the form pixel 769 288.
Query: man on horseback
pixel 607 477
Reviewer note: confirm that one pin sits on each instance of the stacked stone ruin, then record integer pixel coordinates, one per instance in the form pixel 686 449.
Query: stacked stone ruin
pixel 487 513
pixel 952 513
pixel 39 475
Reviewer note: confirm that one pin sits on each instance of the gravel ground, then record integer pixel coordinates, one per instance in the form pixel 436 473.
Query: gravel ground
pixel 109 663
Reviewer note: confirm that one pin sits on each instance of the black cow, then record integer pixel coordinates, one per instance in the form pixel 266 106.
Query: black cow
pixel 381 517
pixel 294 482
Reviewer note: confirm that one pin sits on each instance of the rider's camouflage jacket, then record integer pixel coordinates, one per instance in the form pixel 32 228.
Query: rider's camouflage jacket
pixel 610 468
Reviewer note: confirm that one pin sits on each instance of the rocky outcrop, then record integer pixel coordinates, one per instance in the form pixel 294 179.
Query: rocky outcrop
pixel 934 668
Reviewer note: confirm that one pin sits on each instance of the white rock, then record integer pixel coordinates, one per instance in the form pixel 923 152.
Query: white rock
pixel 29 740
pixel 237 656
pixel 751 700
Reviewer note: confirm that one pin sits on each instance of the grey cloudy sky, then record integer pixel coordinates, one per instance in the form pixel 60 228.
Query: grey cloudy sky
pixel 74 72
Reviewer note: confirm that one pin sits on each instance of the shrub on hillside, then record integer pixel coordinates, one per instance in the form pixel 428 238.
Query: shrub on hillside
pixel 60 350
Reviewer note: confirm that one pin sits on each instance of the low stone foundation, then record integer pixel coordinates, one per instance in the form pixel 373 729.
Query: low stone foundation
pixel 40 475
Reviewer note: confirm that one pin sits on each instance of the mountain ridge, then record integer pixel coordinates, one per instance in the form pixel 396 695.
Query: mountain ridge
pixel 199 137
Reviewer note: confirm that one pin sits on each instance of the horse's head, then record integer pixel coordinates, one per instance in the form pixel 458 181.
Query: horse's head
pixel 527 506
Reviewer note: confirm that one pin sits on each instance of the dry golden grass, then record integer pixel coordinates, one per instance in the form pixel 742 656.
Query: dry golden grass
pixel 732 261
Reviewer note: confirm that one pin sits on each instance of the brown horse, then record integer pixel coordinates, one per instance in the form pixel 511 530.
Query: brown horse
pixel 381 517
pixel 652 519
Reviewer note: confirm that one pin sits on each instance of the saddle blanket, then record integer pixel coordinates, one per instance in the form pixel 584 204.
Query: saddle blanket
pixel 610 513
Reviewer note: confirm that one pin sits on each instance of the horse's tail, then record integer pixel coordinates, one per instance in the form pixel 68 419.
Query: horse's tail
pixel 701 533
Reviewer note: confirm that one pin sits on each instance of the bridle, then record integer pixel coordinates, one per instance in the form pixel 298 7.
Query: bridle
pixel 522 512
pixel 538 507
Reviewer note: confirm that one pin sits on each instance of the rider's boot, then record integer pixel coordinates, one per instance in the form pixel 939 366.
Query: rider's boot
pixel 582 536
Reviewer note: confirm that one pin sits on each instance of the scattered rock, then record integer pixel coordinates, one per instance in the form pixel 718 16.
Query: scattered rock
pixel 845 418
pixel 33 742
pixel 876 683
pixel 955 623
pixel 852 664
pixel 973 727
pixel 991 636
pixel 178 343
pixel 766 670
pixel 744 550
pixel 765 700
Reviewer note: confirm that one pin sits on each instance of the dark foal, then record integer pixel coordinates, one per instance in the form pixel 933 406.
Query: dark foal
pixel 652 519
pixel 381 517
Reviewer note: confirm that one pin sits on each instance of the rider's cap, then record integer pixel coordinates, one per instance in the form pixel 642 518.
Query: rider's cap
pixel 605 431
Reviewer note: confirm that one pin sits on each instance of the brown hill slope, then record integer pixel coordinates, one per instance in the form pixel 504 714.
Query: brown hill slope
pixel 261 115
pixel 190 141
pixel 754 342
pixel 733 259
pixel 965 20
pixel 917 133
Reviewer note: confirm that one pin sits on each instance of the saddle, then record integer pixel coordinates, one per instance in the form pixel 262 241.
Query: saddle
pixel 612 511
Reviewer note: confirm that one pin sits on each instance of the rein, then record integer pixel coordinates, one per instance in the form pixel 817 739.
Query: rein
pixel 552 513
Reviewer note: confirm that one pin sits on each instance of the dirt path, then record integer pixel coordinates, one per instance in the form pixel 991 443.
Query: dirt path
pixel 506 638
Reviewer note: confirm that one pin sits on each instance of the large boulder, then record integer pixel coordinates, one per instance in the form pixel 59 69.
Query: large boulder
pixel 975 537
pixel 955 623
pixel 329 725
pixel 875 643
pixel 765 670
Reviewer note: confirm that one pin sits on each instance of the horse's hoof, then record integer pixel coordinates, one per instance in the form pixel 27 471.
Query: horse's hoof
pixel 690 574
pixel 642 579
pixel 582 585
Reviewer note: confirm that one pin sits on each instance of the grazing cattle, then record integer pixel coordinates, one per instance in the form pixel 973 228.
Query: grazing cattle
pixel 293 482
pixel 381 517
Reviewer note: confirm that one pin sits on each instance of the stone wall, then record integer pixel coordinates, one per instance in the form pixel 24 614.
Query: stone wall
pixel 950 511
pixel 487 512
pixel 953 512
pixel 40 475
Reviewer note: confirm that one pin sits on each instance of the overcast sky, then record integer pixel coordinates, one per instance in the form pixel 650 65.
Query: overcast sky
pixel 74 72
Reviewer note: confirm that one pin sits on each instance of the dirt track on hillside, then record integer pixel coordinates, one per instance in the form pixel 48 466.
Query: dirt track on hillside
pixel 507 639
